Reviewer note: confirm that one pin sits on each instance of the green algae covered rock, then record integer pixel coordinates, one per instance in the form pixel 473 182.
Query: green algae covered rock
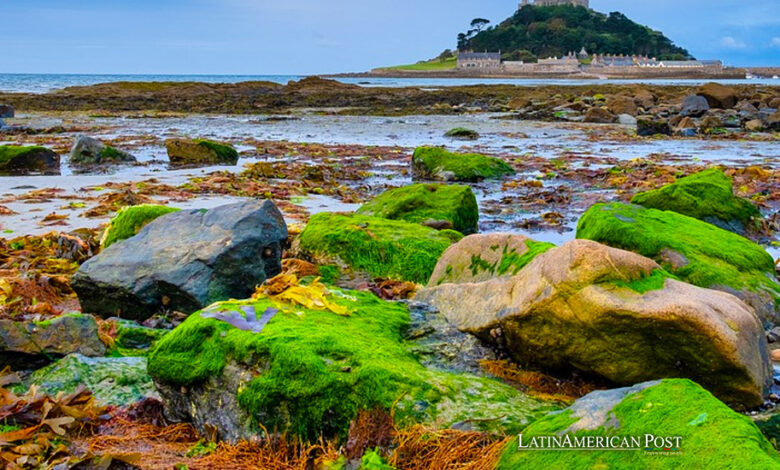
pixel 20 160
pixel 462 133
pixel 435 205
pixel 130 220
pixel 239 364
pixel 88 151
pixel 132 339
pixel 712 436
pixel 695 251
pixel 378 246
pixel 482 257
pixel 113 380
pixel 435 163
pixel 707 196
pixel 200 152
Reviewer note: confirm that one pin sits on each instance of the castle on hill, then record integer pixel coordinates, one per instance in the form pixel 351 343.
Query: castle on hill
pixel 552 3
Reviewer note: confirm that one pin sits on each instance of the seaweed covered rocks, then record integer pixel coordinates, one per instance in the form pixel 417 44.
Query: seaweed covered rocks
pixel 482 257
pixel 708 196
pixel 435 163
pixel 88 151
pixel 186 152
pixel 130 220
pixel 309 369
pixel 433 205
pixel 615 314
pixel 20 160
pixel 185 261
pixel 707 433
pixel 695 251
pixel 380 247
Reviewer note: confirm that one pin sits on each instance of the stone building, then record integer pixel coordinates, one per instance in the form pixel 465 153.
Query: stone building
pixel 551 3
pixel 479 60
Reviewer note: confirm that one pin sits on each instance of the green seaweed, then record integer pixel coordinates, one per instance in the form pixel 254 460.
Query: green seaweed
pixel 130 220
pixel 512 262
pixel 315 369
pixel 225 153
pixel 711 256
pixel 433 162
pixel 707 196
pixel 462 133
pixel 10 152
pixel 381 247
pixel 655 281
pixel 110 153
pixel 712 435
pixel 419 203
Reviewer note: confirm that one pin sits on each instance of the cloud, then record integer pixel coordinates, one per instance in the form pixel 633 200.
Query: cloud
pixel 775 42
pixel 730 42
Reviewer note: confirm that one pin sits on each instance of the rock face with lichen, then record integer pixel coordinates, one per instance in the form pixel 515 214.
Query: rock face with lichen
pixel 711 435
pixel 708 196
pixel 19 160
pixel 695 251
pixel 434 205
pixel 308 371
pixel 185 261
pixel 200 152
pixel 606 311
pixel 482 257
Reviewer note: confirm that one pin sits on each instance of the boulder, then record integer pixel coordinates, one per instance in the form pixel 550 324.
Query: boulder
pixel 644 99
pixel 130 220
pixel 599 115
pixel 651 125
pixel 622 105
pixel 775 102
pixel 200 152
pixel 462 133
pixel 7 111
pixel 695 251
pixel 117 381
pixel 616 314
pixel 694 106
pixel 434 205
pixel 29 344
pixel 185 261
pixel 773 121
pixel 686 127
pixel 18 160
pixel 89 151
pixel 481 257
pixel 708 196
pixel 678 425
pixel 130 338
pixel 709 123
pixel 308 371
pixel 380 247
pixel 719 96
pixel 435 163
pixel 754 125
pixel 626 120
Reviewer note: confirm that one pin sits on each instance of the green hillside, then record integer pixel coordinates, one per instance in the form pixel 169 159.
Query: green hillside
pixel 557 30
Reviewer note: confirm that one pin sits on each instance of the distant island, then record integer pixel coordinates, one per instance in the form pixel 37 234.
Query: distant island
pixel 565 38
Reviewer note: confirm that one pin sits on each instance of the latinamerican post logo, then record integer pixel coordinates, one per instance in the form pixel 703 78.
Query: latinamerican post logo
pixel 647 443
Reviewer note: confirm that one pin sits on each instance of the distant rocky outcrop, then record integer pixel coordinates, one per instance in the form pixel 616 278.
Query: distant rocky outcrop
pixel 185 261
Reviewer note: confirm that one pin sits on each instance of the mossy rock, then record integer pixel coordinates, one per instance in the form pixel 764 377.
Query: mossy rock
pixel 462 133
pixel 381 247
pixel 89 151
pixel 435 205
pixel 20 160
pixel 694 251
pixel 712 436
pixel 115 381
pixel 435 163
pixel 132 339
pixel 130 220
pixel 200 152
pixel 309 372
pixel 708 196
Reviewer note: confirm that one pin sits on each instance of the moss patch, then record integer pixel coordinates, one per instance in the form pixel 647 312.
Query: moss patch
pixel 707 196
pixel 439 164
pixel 419 203
pixel 130 220
pixel 712 435
pixel 10 152
pixel 695 251
pixel 225 153
pixel 381 247
pixel 512 263
pixel 315 369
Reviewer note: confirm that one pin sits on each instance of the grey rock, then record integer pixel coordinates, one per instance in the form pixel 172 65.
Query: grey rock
pixel 626 120
pixel 33 160
pixel 89 151
pixel 7 111
pixel 694 106
pixel 650 125
pixel 185 261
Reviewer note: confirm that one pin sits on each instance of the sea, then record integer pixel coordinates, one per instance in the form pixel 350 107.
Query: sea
pixel 44 83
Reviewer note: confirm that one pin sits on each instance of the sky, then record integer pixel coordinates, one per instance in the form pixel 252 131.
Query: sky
pixel 256 37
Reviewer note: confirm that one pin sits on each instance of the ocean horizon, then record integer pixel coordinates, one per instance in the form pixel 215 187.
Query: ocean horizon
pixel 46 82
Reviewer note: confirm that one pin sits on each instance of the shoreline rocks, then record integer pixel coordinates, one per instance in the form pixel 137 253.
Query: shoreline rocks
pixel 19 160
pixel 88 151
pixel 438 164
pixel 183 152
